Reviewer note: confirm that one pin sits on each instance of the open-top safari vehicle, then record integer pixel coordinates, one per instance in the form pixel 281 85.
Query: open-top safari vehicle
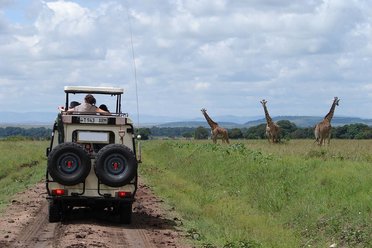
pixel 92 159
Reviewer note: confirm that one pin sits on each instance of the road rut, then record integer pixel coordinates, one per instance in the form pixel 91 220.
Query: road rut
pixel 25 224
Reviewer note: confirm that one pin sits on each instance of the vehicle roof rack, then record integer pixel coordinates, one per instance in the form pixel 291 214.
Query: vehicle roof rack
pixel 94 90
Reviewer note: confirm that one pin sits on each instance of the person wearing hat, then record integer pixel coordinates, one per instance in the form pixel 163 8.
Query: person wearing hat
pixel 73 104
pixel 89 105
pixel 104 107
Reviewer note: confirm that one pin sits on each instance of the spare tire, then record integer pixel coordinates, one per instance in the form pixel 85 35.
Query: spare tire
pixel 116 165
pixel 69 164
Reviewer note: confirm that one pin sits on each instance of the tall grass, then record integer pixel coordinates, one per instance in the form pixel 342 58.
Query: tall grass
pixel 22 163
pixel 254 194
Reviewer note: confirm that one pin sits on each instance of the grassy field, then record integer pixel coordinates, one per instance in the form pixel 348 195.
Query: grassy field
pixel 247 194
pixel 255 194
pixel 22 164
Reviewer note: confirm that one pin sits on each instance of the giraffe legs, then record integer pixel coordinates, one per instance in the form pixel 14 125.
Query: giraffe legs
pixel 268 136
pixel 323 139
pixel 218 134
pixel 272 138
pixel 329 138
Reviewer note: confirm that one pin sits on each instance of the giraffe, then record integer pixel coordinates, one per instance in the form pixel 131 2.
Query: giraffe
pixel 322 130
pixel 272 129
pixel 216 130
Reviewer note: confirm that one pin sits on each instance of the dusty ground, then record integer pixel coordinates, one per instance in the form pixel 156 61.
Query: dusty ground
pixel 25 224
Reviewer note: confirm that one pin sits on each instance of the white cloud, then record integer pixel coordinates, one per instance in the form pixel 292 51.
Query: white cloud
pixel 65 19
pixel 201 86
pixel 189 54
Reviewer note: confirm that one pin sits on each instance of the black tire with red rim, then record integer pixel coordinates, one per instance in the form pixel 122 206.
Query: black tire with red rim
pixel 116 165
pixel 69 164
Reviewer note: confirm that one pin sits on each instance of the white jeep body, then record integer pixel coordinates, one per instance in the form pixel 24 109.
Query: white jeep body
pixel 92 159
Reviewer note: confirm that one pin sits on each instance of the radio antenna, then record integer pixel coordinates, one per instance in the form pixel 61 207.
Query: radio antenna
pixel 139 153
pixel 134 67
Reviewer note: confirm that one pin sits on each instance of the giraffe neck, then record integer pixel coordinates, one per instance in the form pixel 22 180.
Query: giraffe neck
pixel 211 123
pixel 329 116
pixel 267 116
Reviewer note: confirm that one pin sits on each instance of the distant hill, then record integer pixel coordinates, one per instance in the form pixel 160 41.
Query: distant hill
pixel 227 121
pixel 300 121
pixel 230 119
pixel 47 118
pixel 310 121
pixel 28 118
pixel 197 124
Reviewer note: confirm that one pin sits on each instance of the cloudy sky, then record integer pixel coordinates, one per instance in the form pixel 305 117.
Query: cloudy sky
pixel 222 55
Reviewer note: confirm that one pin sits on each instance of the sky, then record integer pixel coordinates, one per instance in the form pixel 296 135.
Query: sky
pixel 222 55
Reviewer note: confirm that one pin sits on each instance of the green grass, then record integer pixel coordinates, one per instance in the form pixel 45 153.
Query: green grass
pixel 22 164
pixel 247 194
pixel 255 194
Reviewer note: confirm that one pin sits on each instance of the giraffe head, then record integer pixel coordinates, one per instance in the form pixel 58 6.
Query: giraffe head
pixel 336 100
pixel 203 110
pixel 263 102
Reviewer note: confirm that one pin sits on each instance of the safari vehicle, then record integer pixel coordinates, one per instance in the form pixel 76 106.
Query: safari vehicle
pixel 92 159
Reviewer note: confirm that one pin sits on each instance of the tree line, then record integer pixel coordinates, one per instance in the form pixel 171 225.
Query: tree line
pixel 289 130
pixel 31 133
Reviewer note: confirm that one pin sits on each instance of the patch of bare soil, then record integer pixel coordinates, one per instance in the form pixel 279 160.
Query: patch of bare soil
pixel 25 224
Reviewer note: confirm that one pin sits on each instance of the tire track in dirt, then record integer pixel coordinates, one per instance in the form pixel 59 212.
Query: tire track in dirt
pixel 92 233
pixel 25 224
pixel 39 232
pixel 138 237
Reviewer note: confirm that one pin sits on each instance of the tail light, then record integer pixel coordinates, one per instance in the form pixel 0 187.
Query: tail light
pixel 59 192
pixel 123 194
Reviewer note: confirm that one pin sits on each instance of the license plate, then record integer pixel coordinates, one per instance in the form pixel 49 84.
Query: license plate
pixel 93 120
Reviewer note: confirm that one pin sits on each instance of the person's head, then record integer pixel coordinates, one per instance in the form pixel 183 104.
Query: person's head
pixel 73 104
pixel 103 107
pixel 90 99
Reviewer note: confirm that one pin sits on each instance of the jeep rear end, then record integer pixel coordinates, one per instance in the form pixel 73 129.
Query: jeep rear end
pixel 92 160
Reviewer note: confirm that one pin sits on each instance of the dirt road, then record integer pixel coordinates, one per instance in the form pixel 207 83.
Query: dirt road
pixel 25 224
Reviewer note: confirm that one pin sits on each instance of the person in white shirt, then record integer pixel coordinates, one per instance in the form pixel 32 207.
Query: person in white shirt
pixel 88 106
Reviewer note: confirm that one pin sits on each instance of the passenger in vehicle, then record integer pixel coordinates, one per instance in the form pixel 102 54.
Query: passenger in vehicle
pixel 88 106
pixel 104 107
pixel 73 104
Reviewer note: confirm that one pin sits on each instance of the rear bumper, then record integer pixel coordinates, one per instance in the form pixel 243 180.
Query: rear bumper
pixel 89 201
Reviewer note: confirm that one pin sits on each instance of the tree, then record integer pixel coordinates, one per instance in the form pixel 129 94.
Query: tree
pixel 256 132
pixel 353 131
pixel 286 128
pixel 235 133
pixel 187 135
pixel 356 130
pixel 340 132
pixel 303 133
pixel 33 133
pixel 201 133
